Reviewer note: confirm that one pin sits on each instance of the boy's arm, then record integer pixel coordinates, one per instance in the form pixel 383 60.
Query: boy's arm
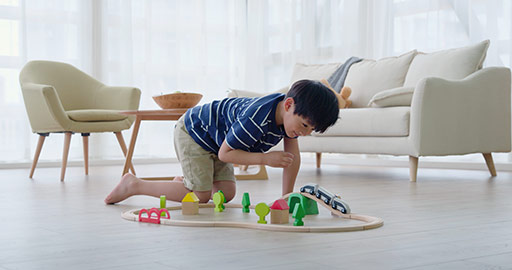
pixel 290 172
pixel 274 159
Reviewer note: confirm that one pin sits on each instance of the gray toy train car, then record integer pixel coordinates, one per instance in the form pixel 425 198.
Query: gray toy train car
pixel 327 197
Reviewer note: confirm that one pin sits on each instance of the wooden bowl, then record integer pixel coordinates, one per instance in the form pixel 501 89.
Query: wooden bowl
pixel 177 100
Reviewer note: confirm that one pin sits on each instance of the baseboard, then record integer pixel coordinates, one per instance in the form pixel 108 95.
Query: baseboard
pixel 333 160
pixel 379 162
pixel 80 163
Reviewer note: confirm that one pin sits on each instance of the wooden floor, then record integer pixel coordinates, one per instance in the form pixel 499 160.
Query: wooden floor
pixel 449 219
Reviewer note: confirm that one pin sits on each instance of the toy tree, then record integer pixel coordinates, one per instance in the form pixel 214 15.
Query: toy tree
pixel 218 200
pixel 262 211
pixel 223 206
pixel 246 202
pixel 163 202
pixel 298 214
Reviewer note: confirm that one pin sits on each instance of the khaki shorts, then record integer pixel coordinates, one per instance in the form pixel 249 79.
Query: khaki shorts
pixel 200 167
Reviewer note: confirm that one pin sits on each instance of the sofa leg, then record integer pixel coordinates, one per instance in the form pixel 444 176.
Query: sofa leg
pixel 413 168
pixel 490 163
pixel 318 159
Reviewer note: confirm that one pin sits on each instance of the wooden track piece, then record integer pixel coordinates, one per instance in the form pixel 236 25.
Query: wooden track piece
pixel 369 222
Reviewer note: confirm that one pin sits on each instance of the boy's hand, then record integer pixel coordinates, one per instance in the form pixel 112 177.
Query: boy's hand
pixel 278 159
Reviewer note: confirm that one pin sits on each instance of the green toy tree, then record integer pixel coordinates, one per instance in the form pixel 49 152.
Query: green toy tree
pixel 298 214
pixel 246 202
pixel 262 211
pixel 218 200
pixel 223 206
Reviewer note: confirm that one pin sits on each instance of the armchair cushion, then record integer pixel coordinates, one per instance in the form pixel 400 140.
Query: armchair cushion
pixel 59 97
pixel 95 115
pixel 400 96
pixel 452 64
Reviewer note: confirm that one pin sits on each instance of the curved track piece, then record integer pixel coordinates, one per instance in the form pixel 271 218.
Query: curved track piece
pixel 369 222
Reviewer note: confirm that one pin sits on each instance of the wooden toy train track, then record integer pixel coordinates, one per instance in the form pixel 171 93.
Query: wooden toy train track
pixel 208 218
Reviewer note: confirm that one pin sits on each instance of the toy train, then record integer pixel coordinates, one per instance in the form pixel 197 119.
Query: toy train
pixel 327 197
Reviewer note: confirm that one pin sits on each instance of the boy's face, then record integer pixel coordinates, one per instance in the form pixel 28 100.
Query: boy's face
pixel 295 125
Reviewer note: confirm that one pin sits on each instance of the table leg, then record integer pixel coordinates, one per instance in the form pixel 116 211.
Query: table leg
pixel 129 155
pixel 261 175
pixel 120 139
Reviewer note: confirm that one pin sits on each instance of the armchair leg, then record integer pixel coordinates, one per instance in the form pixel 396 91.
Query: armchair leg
pixel 120 139
pixel 318 159
pixel 67 141
pixel 40 142
pixel 413 168
pixel 85 138
pixel 490 163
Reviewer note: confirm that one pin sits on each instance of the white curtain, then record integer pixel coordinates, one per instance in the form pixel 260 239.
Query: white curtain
pixel 206 46
pixel 166 46
pixel 158 46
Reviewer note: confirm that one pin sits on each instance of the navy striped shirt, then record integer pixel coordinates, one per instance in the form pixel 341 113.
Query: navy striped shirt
pixel 247 124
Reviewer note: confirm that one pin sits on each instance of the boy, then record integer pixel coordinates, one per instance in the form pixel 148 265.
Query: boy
pixel 209 138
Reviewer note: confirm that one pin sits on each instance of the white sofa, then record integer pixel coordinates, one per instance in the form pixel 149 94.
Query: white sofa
pixel 418 104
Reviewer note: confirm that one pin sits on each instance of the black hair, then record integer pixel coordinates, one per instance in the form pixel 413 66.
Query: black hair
pixel 315 102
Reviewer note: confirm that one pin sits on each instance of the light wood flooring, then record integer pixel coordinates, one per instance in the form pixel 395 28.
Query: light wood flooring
pixel 449 219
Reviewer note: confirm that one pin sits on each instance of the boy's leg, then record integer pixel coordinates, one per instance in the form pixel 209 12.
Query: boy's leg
pixel 224 179
pixel 196 163
pixel 228 188
pixel 131 185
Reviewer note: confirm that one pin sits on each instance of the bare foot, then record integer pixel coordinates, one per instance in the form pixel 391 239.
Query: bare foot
pixel 178 179
pixel 123 190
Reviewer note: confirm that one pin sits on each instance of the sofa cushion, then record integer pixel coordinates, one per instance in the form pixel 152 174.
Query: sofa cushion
pixel 371 122
pixel 453 64
pixel 369 77
pixel 312 72
pixel 400 96
pixel 95 115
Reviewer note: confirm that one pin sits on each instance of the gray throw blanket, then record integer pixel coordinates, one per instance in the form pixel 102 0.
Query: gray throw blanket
pixel 337 79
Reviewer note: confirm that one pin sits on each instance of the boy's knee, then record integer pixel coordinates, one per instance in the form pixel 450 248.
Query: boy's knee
pixel 228 189
pixel 203 196
pixel 229 197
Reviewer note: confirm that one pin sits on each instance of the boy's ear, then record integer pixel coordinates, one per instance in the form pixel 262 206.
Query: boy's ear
pixel 288 103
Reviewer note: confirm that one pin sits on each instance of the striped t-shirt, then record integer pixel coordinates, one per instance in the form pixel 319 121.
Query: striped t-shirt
pixel 247 124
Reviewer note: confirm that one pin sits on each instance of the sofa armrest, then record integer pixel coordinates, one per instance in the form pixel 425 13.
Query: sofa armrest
pixel 117 98
pixel 471 115
pixel 44 108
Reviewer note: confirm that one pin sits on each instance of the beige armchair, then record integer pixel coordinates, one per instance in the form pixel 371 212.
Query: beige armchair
pixel 60 98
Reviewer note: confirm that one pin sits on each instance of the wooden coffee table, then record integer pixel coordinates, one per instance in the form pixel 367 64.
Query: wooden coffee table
pixel 170 115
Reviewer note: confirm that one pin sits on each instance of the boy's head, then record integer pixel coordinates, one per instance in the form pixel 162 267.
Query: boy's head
pixel 315 103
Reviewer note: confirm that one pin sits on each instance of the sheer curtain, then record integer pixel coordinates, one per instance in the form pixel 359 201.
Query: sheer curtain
pixel 166 46
pixel 157 46
pixel 209 46
pixel 30 29
pixel 285 32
